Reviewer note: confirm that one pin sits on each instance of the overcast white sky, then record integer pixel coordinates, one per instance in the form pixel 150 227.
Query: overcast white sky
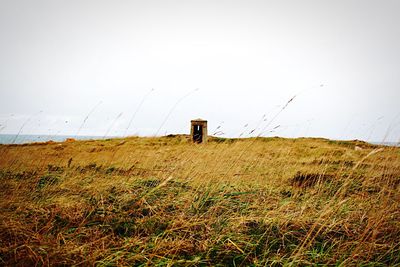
pixel 70 59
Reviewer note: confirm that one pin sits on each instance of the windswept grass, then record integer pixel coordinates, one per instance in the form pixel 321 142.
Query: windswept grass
pixel 231 202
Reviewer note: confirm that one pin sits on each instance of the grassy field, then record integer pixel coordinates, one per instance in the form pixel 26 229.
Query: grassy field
pixel 231 202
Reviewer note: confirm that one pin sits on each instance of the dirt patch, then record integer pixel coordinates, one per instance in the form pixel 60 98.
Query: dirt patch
pixel 309 179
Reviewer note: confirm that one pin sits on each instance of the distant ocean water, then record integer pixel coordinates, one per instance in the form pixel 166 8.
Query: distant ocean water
pixel 23 139
pixel 386 143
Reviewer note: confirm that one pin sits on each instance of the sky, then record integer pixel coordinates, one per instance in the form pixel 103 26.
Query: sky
pixel 251 68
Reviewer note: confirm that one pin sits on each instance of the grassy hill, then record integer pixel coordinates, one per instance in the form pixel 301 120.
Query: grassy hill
pixel 230 202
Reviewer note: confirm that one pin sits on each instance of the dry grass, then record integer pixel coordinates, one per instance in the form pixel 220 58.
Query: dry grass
pixel 165 201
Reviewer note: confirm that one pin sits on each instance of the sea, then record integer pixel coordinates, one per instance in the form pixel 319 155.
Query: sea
pixel 24 139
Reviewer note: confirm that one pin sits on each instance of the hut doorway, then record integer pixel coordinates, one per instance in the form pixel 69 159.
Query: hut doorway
pixel 198 134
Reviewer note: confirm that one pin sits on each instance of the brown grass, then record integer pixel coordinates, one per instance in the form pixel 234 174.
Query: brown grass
pixel 165 201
